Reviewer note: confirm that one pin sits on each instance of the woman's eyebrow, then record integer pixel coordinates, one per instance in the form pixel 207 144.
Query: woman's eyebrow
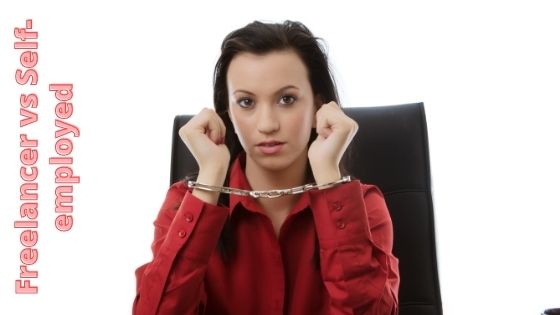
pixel 281 89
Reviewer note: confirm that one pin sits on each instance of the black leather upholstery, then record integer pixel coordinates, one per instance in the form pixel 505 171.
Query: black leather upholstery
pixel 390 151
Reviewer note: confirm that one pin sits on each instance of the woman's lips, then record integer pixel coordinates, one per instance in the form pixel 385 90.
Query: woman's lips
pixel 271 148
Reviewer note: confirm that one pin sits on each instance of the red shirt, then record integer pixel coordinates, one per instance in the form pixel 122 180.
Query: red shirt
pixel 272 275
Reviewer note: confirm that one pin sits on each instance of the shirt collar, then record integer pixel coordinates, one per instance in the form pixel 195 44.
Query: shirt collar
pixel 238 179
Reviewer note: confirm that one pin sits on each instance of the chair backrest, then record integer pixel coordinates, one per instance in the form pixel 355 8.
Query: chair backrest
pixel 390 151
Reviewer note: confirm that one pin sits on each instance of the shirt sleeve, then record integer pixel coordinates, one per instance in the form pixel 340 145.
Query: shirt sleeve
pixel 355 235
pixel 186 232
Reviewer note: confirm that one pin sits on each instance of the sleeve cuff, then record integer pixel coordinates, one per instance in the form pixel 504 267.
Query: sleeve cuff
pixel 195 214
pixel 340 214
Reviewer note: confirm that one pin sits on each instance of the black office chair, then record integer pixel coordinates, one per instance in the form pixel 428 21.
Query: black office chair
pixel 390 151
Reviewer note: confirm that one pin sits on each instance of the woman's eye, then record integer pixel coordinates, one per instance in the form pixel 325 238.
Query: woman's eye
pixel 284 100
pixel 242 104
pixel 288 99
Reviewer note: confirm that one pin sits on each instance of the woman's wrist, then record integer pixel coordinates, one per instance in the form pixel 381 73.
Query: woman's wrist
pixel 326 175
pixel 209 177
pixel 214 177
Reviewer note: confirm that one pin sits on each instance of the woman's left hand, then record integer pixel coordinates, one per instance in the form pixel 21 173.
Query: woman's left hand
pixel 335 131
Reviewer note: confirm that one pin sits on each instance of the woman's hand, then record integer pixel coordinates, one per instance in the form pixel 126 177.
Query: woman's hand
pixel 335 131
pixel 204 136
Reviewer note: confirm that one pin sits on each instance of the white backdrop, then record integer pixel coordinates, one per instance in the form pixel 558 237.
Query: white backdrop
pixel 487 71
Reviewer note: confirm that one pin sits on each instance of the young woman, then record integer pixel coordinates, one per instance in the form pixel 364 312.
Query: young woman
pixel 277 125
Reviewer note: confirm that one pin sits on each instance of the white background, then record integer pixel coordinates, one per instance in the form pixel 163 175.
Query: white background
pixel 487 71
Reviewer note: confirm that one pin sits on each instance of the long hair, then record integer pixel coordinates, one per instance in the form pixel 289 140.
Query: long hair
pixel 261 38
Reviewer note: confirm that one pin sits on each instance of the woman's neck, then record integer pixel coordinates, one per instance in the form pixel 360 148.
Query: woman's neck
pixel 265 179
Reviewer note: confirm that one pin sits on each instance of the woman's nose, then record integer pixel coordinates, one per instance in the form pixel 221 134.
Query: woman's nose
pixel 267 120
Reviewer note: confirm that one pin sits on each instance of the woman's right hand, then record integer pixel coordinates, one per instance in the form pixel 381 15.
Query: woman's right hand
pixel 204 135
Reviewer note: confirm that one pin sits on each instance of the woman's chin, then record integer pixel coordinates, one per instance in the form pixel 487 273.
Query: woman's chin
pixel 273 163
pixel 277 162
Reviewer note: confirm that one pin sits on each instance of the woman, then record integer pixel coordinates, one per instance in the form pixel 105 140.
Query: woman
pixel 276 125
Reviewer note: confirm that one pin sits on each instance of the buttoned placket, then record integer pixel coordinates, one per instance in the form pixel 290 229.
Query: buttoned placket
pixel 277 301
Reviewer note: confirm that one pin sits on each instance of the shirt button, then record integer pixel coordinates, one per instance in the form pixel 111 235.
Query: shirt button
pixel 189 217
pixel 337 206
pixel 340 224
pixel 182 233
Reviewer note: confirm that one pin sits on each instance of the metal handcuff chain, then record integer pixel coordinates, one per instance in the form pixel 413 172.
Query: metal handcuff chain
pixel 274 193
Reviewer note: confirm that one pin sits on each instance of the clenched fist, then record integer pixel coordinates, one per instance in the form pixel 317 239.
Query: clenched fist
pixel 204 136
pixel 335 131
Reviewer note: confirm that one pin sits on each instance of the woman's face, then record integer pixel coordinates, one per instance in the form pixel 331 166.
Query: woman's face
pixel 270 99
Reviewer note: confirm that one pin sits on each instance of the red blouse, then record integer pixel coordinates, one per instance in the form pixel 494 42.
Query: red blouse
pixel 269 275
